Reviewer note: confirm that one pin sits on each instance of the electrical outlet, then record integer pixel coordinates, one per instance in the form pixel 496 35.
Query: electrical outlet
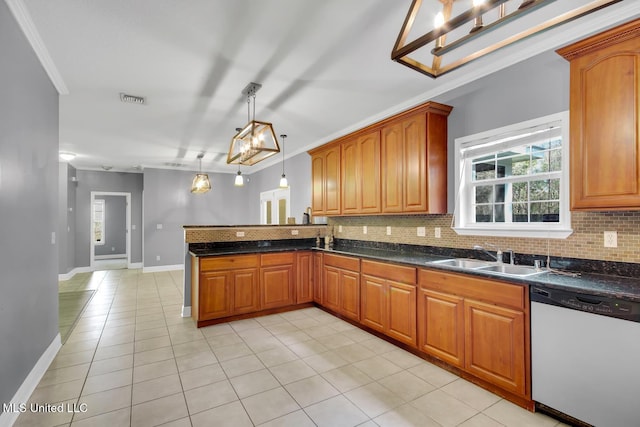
pixel 339 229
pixel 437 233
pixel 610 239
pixel 422 231
pixel 388 230
pixel 239 233
pixel 294 232
pixel 133 226
pixel 158 226
pixel 157 257
pixel 364 229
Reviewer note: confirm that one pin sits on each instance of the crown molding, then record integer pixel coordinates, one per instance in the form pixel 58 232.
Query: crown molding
pixel 23 18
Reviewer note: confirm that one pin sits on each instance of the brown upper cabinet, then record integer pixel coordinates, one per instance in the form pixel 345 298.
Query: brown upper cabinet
pixel 398 165
pixel 605 119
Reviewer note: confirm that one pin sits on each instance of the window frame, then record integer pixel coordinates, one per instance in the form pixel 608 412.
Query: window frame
pixel 102 221
pixel 492 141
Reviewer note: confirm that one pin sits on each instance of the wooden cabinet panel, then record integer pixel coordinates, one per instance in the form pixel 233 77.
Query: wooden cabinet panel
pixel 369 173
pixel 373 301
pixel 245 297
pixel 332 181
pixel 392 153
pixel 342 262
pixel 401 318
pixel 317 184
pixel 414 178
pixel 495 345
pixel 605 119
pixel 318 277
pixel 441 326
pixel 304 282
pixel 277 286
pixel 350 294
pixel 331 288
pixel 350 177
pixel 215 295
pixel 229 262
pixel 277 258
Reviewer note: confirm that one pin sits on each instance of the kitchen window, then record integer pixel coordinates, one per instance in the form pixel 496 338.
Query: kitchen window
pixel 513 181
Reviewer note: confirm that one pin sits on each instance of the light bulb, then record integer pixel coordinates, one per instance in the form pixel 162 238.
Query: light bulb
pixel 283 182
pixel 477 3
pixel 438 20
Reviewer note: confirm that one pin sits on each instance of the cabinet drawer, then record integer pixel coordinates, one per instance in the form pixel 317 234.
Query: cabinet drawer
pixel 280 258
pixel 389 271
pixel 492 291
pixel 228 262
pixel 339 261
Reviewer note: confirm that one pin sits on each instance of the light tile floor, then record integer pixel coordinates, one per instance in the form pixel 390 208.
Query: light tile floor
pixel 132 360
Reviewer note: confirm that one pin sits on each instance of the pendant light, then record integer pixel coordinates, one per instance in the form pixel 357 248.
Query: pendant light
pixel 201 183
pixel 239 179
pixel 283 179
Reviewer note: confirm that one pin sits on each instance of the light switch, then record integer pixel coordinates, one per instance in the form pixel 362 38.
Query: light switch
pixel 159 226
pixel 339 229
pixel 294 232
pixel 388 230
pixel 239 233
pixel 133 226
pixel 437 232
pixel 422 231
pixel 364 229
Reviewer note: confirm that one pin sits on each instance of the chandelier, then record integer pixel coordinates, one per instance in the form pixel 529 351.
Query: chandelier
pixel 201 183
pixel 465 30
pixel 256 141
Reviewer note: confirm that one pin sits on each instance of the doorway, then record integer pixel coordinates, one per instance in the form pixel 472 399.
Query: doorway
pixel 275 206
pixel 110 230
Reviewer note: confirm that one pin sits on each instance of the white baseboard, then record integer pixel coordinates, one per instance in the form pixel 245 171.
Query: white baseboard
pixel 186 311
pixel 160 268
pixel 134 265
pixel 110 256
pixel 69 275
pixel 31 382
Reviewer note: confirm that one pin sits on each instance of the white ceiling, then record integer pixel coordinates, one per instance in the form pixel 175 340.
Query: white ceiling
pixel 324 65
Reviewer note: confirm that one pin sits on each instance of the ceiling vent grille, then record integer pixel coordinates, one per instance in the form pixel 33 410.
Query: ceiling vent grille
pixel 132 99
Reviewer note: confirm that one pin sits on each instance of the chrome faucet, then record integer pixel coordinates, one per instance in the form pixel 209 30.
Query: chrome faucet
pixel 497 256
pixel 512 258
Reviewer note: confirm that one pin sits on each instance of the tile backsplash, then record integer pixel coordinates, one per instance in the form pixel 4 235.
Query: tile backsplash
pixel 586 242
pixel 244 233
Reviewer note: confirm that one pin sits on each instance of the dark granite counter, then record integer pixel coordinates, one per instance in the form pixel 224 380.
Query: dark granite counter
pixel 583 281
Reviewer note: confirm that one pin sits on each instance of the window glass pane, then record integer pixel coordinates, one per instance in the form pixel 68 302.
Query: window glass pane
pixel 499 214
pixel 268 211
pixel 554 189
pixel 282 211
pixel 519 165
pixel 545 211
pixel 520 212
pixel 484 213
pixel 520 191
pixel 484 169
pixel 539 190
pixel 484 194
pixel 555 160
pixel 500 191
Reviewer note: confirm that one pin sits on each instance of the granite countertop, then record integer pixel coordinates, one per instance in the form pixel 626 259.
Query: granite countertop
pixel 626 288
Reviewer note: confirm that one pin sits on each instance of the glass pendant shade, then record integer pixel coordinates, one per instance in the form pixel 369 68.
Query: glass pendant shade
pixel 252 144
pixel 201 183
pixel 283 182
pixel 239 182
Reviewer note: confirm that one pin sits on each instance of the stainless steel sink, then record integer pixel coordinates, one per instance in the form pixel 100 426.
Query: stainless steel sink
pixel 464 263
pixel 512 270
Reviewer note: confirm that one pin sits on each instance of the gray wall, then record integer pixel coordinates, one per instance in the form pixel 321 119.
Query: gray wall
pixel 115 218
pixel 28 208
pixel 298 172
pixel 89 181
pixel 168 201
pixel 533 88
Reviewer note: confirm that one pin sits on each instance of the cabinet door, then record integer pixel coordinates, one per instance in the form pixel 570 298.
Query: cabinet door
pixel 369 173
pixel 441 326
pixel 277 288
pixel 317 184
pixel 215 295
pixel 374 303
pixel 495 345
pixel 317 277
pixel 245 291
pixel 350 294
pixel 304 283
pixel 414 178
pixel 331 288
pixel 332 181
pixel 392 168
pixel 605 127
pixel 350 178
pixel 401 312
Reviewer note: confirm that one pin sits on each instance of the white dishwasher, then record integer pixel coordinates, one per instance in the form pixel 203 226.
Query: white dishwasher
pixel 585 356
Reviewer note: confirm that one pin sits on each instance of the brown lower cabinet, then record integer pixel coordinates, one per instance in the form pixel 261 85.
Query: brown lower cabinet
pixel 478 325
pixel 341 285
pixel 277 279
pixel 304 277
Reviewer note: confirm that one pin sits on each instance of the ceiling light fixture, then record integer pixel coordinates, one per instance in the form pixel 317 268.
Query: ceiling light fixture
pixel 256 141
pixel 239 182
pixel 201 183
pixel 283 179
pixel 432 54
pixel 66 156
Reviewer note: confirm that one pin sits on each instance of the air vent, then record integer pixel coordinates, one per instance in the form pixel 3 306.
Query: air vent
pixel 175 165
pixel 132 99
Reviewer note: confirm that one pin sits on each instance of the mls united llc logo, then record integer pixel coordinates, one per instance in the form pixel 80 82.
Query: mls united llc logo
pixel 44 407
